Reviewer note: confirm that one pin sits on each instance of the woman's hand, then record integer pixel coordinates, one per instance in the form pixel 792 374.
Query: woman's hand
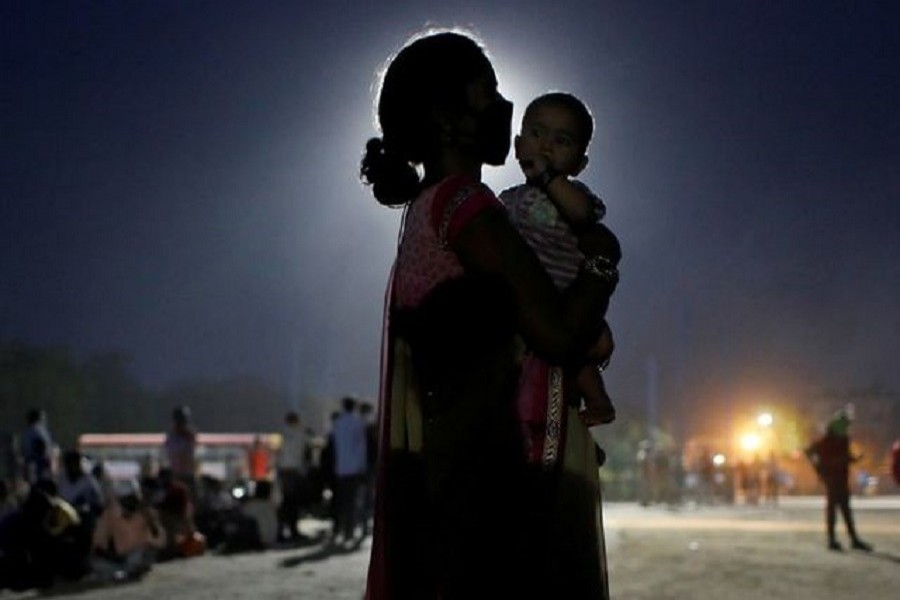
pixel 599 240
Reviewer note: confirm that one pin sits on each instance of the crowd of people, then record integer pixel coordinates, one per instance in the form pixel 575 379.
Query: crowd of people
pixel 64 518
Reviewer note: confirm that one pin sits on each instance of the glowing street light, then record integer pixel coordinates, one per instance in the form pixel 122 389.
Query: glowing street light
pixel 719 460
pixel 764 419
pixel 750 442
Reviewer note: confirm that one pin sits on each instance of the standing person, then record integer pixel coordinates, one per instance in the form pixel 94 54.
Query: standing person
pixel 646 472
pixel 350 463
pixel 755 476
pixel 293 468
pixel 706 470
pixel 176 510
pixel 773 479
pixel 552 149
pixel 258 459
pixel 181 449
pixel 459 513
pixel 831 458
pixel 368 494
pixel 37 447
pixel 325 478
pixel 895 461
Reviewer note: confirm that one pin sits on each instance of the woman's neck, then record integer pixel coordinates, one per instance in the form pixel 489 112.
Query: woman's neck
pixel 450 163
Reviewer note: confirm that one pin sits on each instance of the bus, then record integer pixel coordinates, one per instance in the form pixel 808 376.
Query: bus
pixel 223 456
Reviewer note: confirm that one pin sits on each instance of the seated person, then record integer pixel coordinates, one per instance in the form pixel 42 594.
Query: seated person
pixel 261 509
pixel 176 513
pixel 8 502
pixel 80 488
pixel 127 537
pixel 38 544
pixel 254 526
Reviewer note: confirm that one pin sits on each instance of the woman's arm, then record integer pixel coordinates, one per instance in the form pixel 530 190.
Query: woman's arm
pixel 559 327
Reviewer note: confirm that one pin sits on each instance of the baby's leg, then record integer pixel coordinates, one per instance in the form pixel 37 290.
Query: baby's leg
pixel 598 407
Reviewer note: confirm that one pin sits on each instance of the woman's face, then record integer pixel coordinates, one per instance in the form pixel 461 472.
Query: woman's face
pixel 487 124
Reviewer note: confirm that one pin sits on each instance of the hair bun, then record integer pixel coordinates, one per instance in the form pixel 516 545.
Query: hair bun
pixel 375 146
pixel 394 181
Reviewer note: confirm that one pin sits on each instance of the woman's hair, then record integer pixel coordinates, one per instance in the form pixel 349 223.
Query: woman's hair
pixel 427 74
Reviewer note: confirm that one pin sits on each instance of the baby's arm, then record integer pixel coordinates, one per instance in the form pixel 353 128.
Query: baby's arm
pixel 574 201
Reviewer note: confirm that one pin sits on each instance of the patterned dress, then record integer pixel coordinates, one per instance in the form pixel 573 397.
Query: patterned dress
pixel 542 397
pixel 459 512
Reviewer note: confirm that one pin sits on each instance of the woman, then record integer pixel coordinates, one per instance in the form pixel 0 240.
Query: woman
pixel 459 512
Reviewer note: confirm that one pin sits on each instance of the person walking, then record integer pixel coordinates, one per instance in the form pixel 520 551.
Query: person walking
pixel 350 465
pixel 831 458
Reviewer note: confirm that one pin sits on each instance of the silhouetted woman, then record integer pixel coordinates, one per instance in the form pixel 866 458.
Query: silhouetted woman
pixel 459 513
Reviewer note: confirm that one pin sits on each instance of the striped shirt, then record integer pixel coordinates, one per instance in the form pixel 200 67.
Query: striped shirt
pixel 546 231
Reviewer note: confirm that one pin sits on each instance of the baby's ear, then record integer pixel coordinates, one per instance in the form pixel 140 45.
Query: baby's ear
pixel 516 141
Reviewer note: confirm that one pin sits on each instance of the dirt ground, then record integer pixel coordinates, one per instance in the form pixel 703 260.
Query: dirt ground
pixel 655 553
pixel 749 553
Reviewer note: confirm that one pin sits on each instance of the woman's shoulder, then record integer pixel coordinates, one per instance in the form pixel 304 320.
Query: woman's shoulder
pixel 457 200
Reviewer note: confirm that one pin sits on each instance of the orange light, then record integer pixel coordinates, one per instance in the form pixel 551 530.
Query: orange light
pixel 750 442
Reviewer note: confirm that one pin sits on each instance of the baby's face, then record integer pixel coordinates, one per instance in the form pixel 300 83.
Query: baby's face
pixel 551 131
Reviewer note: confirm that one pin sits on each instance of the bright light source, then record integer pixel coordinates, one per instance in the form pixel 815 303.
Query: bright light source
pixel 750 442
pixel 719 460
pixel 764 419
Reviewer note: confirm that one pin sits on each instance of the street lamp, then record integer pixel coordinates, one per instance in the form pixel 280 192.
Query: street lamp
pixel 764 420
pixel 750 442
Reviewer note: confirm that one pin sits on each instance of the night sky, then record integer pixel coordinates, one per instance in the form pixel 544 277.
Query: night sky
pixel 178 180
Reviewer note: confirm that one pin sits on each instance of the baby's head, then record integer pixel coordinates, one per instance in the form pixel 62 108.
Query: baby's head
pixel 559 126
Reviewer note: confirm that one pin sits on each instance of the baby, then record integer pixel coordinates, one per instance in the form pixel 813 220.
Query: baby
pixel 551 148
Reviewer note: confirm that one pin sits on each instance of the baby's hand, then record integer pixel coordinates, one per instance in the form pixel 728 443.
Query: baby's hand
pixel 534 165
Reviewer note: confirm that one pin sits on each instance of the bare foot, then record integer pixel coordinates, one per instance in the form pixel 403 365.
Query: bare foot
pixel 597 413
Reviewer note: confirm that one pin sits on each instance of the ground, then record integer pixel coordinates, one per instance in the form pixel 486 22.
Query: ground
pixel 655 553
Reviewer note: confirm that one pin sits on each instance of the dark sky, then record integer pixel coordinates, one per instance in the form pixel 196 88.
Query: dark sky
pixel 179 180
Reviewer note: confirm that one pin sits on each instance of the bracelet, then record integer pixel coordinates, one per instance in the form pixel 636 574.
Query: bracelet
pixel 542 180
pixel 601 267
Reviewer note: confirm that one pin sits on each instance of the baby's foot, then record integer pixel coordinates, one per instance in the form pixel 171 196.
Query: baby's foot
pixel 596 412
